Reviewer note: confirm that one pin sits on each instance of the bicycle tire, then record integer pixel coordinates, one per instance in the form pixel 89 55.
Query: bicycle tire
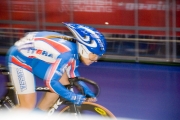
pixel 94 108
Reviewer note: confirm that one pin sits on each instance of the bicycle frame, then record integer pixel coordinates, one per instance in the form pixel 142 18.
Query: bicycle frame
pixel 10 99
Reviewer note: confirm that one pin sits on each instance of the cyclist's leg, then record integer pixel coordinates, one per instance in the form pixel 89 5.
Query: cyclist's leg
pixel 22 78
pixel 23 81
pixel 47 101
pixel 48 98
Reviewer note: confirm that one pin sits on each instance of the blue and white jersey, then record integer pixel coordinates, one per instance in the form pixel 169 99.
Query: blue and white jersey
pixel 46 55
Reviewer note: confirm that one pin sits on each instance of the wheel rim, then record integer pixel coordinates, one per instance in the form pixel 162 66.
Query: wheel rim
pixel 94 109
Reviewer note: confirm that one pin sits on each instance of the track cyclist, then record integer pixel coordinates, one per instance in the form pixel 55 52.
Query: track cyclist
pixel 54 58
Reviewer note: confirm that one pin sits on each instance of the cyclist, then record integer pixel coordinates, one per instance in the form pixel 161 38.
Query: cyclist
pixel 55 58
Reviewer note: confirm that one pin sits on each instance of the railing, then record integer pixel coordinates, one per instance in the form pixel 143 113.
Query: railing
pixel 143 48
pixel 119 46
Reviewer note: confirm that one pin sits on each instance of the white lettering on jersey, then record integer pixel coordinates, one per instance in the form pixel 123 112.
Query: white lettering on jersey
pixel 42 51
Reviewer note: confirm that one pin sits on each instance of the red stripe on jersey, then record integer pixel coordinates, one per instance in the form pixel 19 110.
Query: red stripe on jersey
pixel 51 73
pixel 58 46
pixel 17 62
pixel 73 64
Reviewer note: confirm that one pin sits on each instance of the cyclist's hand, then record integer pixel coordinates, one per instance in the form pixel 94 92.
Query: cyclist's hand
pixel 78 99
pixel 91 99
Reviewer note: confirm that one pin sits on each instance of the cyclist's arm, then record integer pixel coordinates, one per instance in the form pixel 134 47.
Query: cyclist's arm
pixel 55 73
pixel 72 72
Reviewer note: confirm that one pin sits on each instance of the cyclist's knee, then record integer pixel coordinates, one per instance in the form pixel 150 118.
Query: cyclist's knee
pixel 48 101
pixel 27 101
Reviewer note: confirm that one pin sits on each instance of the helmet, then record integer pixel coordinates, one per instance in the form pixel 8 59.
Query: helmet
pixel 89 40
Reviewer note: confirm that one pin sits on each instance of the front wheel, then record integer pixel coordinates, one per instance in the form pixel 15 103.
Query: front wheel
pixel 88 108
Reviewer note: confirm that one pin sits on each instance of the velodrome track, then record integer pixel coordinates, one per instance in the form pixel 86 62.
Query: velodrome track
pixel 133 90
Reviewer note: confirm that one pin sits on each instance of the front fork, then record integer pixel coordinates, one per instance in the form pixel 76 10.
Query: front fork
pixel 74 109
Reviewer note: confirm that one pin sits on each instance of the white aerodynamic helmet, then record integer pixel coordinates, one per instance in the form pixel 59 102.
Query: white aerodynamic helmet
pixel 89 40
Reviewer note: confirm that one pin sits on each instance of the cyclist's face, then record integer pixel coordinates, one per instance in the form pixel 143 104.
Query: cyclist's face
pixel 92 58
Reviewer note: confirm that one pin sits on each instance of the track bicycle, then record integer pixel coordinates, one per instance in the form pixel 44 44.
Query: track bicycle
pixel 10 99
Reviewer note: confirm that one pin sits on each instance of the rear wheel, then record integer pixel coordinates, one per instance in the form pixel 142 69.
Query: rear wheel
pixel 88 108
